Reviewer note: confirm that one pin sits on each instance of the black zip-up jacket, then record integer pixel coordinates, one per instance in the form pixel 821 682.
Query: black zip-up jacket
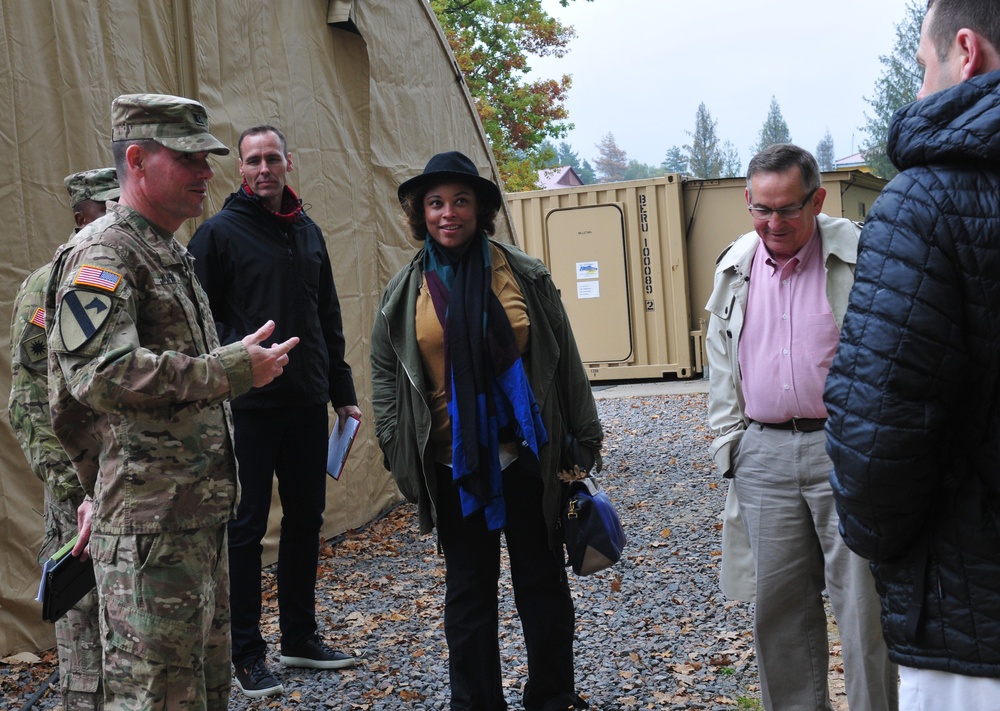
pixel 914 390
pixel 256 268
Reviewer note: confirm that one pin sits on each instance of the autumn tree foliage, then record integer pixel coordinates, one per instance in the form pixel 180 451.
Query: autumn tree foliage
pixel 492 41
pixel 612 161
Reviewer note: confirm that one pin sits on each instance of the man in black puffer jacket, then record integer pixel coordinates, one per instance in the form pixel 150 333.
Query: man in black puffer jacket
pixel 914 391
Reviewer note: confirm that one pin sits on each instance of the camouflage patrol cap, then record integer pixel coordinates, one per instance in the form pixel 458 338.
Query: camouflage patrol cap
pixel 172 121
pixel 98 185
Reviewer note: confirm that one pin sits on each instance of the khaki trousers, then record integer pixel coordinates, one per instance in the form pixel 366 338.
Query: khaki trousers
pixel 782 482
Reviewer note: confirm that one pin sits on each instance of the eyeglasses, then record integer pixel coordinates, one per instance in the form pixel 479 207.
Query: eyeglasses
pixel 784 213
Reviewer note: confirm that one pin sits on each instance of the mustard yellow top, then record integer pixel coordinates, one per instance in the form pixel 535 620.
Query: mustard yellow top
pixel 430 342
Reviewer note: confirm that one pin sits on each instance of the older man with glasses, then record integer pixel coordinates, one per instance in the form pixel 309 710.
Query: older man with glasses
pixel 778 301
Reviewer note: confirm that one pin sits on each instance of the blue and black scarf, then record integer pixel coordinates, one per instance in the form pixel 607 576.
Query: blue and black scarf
pixel 486 386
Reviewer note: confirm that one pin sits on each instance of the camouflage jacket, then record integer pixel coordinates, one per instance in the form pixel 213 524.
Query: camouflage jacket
pixel 133 354
pixel 28 407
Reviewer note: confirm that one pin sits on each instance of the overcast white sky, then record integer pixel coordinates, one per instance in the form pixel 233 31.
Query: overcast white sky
pixel 641 67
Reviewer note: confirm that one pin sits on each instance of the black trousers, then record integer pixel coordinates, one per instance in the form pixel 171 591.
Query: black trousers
pixel 290 443
pixel 541 594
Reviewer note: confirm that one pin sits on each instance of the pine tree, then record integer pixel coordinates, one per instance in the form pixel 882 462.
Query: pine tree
pixel 637 170
pixel 774 130
pixel 612 162
pixel 586 173
pixel 704 157
pixel 897 86
pixel 567 156
pixel 675 162
pixel 824 153
pixel 732 167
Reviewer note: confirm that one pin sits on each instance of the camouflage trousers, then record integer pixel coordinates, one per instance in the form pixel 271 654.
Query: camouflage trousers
pixel 164 605
pixel 78 636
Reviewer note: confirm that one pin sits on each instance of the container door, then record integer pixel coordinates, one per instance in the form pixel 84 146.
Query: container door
pixel 586 251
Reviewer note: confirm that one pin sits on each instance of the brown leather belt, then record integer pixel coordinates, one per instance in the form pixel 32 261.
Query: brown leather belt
pixel 798 424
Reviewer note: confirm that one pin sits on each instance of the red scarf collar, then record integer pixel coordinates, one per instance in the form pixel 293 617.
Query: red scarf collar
pixel 291 206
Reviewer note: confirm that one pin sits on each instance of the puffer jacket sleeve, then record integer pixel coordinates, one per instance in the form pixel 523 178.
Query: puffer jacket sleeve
pixel 897 370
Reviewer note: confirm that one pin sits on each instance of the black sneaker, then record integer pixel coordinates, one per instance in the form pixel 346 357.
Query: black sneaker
pixel 314 653
pixel 256 680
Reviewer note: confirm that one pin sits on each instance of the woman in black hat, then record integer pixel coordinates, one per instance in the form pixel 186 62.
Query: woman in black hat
pixel 475 373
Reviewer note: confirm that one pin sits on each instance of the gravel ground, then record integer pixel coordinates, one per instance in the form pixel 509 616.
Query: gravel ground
pixel 654 632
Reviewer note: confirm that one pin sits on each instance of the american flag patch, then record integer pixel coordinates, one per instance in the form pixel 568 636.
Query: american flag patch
pixel 38 318
pixel 95 276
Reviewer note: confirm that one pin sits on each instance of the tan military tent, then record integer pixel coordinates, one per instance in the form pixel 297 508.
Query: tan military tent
pixel 366 91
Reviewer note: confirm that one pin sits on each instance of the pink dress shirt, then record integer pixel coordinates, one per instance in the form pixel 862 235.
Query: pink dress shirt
pixel 789 336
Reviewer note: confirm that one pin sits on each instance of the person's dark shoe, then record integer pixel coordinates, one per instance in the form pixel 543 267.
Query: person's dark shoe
pixel 314 653
pixel 256 680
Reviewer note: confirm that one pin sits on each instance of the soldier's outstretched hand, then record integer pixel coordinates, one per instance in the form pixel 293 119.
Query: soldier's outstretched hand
pixel 269 362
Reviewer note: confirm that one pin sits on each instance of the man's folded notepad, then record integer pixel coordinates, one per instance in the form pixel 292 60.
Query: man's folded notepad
pixel 340 446
pixel 65 580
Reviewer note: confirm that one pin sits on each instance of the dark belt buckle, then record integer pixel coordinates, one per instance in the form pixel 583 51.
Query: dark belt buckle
pixel 809 424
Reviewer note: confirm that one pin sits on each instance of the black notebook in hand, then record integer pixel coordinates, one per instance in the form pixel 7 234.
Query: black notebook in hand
pixel 65 580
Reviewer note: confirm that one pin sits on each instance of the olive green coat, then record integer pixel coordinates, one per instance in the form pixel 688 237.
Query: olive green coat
pixel 399 388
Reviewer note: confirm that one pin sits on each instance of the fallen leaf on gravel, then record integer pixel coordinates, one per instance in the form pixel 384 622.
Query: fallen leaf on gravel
pixel 22 658
pixel 379 693
pixel 686 668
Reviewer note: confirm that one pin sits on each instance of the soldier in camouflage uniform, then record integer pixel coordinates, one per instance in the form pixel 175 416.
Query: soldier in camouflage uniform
pixel 77 633
pixel 134 357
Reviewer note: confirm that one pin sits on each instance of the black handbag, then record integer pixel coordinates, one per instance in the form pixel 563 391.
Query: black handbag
pixel 592 531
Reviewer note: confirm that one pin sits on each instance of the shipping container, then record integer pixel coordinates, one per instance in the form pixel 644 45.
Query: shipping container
pixel 634 261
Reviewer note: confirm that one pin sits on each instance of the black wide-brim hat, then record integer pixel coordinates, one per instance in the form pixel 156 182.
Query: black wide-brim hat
pixel 448 167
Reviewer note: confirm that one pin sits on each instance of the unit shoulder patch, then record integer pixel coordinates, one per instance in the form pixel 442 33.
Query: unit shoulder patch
pixel 34 345
pixel 81 315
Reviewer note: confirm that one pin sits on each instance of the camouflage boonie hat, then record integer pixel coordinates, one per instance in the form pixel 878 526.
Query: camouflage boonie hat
pixel 172 121
pixel 98 185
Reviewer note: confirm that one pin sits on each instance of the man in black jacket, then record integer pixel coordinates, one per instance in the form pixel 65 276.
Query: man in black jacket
pixel 263 255
pixel 914 391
